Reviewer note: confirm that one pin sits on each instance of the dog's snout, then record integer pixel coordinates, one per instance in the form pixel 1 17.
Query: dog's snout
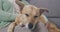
pixel 30 26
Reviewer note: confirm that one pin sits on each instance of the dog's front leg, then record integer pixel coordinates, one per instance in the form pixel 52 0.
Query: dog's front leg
pixel 11 27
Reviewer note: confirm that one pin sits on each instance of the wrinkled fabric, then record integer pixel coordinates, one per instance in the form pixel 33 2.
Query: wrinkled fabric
pixel 6 13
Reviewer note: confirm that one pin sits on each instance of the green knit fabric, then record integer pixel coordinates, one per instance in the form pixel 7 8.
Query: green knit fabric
pixel 6 13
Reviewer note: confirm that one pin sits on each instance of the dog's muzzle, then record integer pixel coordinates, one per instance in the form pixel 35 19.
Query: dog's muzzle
pixel 32 26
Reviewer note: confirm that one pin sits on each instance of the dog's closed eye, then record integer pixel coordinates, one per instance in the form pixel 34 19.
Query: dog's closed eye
pixel 35 16
pixel 27 15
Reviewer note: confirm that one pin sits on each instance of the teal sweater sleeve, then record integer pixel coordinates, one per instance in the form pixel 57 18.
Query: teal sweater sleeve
pixel 6 13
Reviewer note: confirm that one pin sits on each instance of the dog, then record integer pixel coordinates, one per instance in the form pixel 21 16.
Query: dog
pixel 29 18
pixel 30 10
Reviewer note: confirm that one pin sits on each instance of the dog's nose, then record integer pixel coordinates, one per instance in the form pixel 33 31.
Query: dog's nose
pixel 30 26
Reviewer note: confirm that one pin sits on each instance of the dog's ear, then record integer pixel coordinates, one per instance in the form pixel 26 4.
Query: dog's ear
pixel 43 10
pixel 20 4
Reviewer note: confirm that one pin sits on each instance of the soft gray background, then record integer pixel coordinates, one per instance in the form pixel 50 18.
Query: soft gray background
pixel 54 11
pixel 52 5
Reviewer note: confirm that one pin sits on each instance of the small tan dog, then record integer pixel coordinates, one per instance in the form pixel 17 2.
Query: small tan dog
pixel 29 17
pixel 31 10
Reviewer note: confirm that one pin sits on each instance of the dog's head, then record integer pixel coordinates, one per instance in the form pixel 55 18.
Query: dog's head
pixel 32 13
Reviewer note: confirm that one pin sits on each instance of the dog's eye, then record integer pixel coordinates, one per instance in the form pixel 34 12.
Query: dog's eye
pixel 26 14
pixel 35 16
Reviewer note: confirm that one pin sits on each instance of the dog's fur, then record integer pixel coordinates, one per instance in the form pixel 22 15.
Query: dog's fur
pixel 20 20
pixel 32 15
